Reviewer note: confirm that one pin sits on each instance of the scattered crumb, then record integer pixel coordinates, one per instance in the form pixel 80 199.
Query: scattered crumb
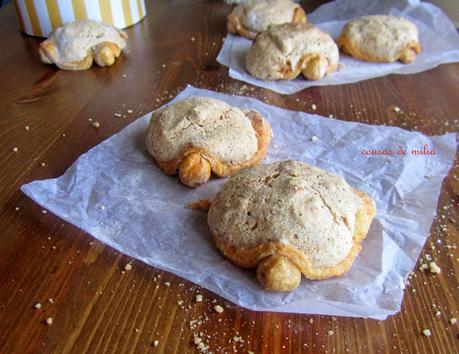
pixel 128 266
pixel 218 309
pixel 118 115
pixel 200 204
pixel 27 127
pixel 167 283
pixel 452 320
pixel 17 208
pixel 313 107
pixel 96 124
pixel 155 343
pixel 15 149
pixel 37 305
pixel 49 321
pixel 130 111
pixel 198 298
pixel 311 320
pixel 314 139
pixel 136 330
pixel 50 300
pixel 193 39
pixel 397 109
pixel 434 268
pixel 43 164
pixel 44 211
pixel 426 332
pixel 330 332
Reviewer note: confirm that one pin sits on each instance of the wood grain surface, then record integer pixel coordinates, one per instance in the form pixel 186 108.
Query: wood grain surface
pixel 96 306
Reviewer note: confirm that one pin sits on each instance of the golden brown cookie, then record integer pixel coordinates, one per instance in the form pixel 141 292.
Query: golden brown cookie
pixel 290 218
pixel 285 51
pixel 200 135
pixel 254 16
pixel 380 38
pixel 75 45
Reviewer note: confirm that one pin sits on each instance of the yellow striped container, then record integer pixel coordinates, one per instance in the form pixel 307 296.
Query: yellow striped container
pixel 40 17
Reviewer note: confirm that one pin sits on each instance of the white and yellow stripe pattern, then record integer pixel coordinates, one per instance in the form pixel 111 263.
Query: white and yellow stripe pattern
pixel 40 17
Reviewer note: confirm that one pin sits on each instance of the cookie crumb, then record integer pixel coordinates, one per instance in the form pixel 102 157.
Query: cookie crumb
pixel 37 305
pixel 167 283
pixel 452 320
pixel 397 109
pixel 49 321
pixel 218 309
pixel 314 139
pixel 193 39
pixel 434 268
pixel 313 107
pixel 426 332
pixel 128 266
pixel 96 125
pixel 130 111
pixel 198 298
pixel 50 300
pixel 43 164
pixel 44 211
pixel 155 343
pixel 330 332
pixel 15 149
pixel 26 128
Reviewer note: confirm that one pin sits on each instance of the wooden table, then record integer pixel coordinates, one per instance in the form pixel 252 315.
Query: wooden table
pixel 79 281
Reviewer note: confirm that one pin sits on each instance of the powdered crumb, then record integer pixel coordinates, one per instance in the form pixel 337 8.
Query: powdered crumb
pixel 426 332
pixel 434 268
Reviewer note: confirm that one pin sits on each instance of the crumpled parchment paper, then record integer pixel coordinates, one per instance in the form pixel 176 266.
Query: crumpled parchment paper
pixel 438 36
pixel 117 194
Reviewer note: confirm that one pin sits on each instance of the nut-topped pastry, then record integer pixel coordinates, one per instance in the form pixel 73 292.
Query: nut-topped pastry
pixel 380 38
pixel 290 218
pixel 75 45
pixel 200 135
pixel 285 51
pixel 254 16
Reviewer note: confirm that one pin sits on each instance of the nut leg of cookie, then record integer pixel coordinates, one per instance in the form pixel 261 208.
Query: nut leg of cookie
pixel 105 53
pixel 278 273
pixel 194 170
pixel 315 68
pixel 407 56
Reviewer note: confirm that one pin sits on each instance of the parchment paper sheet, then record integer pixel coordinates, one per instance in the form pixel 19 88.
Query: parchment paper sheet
pixel 117 194
pixel 438 36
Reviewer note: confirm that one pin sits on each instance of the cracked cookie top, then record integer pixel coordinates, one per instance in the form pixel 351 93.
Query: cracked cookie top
pixel 378 37
pixel 289 45
pixel 222 130
pixel 75 39
pixel 289 202
pixel 257 15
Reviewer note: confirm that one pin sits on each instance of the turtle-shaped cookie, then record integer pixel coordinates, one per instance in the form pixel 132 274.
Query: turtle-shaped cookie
pixel 254 16
pixel 290 218
pixel 380 38
pixel 200 135
pixel 285 51
pixel 75 45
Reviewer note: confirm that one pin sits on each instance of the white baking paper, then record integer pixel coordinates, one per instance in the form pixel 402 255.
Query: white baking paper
pixel 118 195
pixel 438 36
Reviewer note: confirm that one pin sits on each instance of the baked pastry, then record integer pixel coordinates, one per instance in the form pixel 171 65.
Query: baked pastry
pixel 254 16
pixel 200 135
pixel 380 38
pixel 284 51
pixel 75 45
pixel 290 218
